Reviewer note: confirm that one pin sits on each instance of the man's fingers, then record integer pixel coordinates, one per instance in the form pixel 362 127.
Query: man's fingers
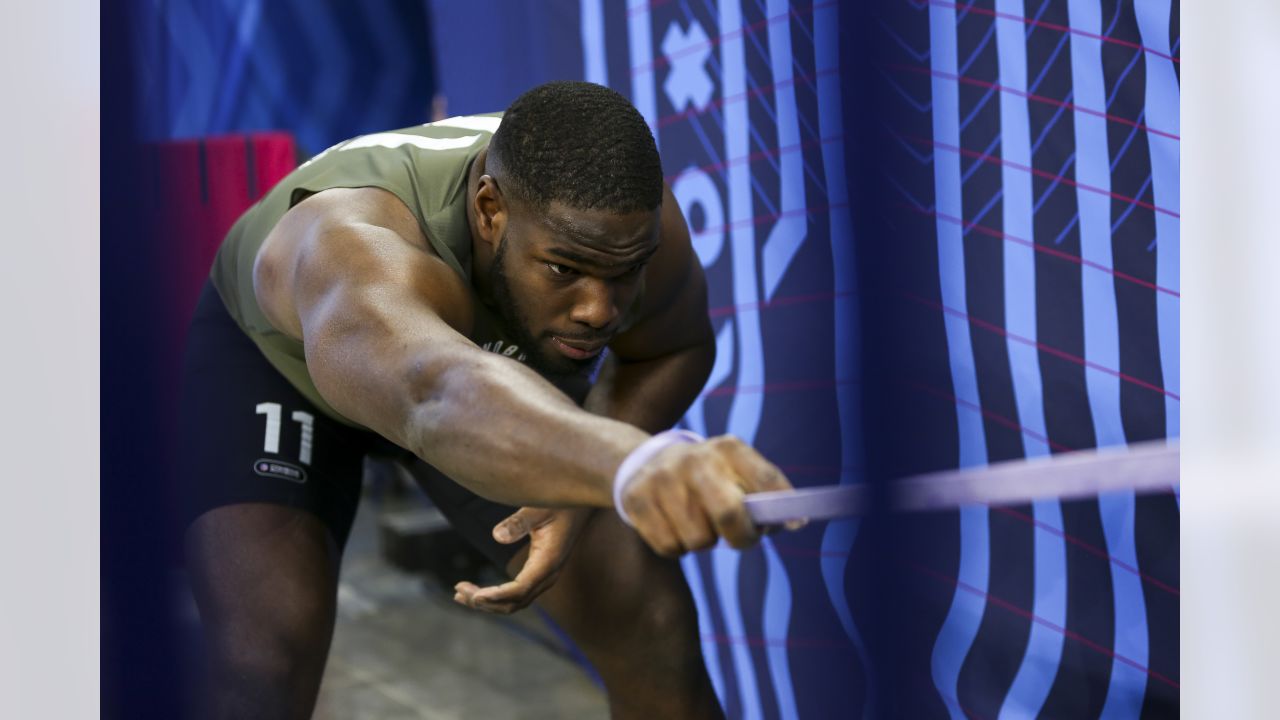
pixel 723 502
pixel 757 473
pixel 687 519
pixel 500 599
pixel 651 523
pixel 520 523
pixel 538 573
pixel 464 593
pixel 506 598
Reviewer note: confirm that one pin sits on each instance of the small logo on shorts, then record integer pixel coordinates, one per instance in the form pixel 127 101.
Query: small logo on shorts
pixel 278 469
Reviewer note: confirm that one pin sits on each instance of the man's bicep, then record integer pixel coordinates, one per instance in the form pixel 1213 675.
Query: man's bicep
pixel 674 314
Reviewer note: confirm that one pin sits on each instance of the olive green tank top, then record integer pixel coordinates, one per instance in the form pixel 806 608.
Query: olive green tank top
pixel 425 166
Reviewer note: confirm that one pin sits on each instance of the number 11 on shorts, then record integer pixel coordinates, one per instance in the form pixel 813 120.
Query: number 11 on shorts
pixel 271 438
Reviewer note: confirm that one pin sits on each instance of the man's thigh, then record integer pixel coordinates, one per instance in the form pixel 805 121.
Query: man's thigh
pixel 247 436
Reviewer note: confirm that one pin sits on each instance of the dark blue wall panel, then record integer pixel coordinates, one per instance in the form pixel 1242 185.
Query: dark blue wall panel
pixel 324 70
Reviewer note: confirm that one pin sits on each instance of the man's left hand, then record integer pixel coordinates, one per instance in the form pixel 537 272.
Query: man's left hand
pixel 551 535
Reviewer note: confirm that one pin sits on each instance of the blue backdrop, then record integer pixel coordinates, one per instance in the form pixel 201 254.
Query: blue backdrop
pixel 324 70
pixel 1018 211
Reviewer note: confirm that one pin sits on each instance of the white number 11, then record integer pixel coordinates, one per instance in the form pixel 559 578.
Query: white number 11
pixel 271 440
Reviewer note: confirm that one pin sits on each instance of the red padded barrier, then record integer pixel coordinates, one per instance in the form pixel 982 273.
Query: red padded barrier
pixel 200 188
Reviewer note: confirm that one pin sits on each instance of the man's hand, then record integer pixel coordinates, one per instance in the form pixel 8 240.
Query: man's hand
pixel 689 495
pixel 551 536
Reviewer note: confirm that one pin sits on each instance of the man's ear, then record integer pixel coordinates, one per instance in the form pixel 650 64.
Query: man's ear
pixel 491 211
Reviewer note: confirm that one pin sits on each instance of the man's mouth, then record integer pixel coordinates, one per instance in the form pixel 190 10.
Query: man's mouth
pixel 576 349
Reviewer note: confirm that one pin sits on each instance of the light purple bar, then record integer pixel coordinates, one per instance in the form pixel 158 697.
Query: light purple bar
pixel 817 503
pixel 1141 467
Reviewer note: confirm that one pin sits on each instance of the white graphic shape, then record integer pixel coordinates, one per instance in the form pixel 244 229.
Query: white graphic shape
pixel 271 437
pixel 687 51
pixel 308 421
pixel 694 188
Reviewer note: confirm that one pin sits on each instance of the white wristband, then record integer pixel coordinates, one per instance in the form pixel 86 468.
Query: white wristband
pixel 641 455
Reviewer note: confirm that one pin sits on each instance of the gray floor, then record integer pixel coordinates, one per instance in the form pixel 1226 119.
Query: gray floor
pixel 403 649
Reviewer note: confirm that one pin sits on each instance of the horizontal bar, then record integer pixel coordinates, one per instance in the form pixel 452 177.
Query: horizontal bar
pixel 1143 468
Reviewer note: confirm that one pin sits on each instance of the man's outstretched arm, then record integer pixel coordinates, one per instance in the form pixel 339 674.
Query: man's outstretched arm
pixel 384 320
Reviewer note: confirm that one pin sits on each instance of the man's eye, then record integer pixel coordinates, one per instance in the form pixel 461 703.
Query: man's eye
pixel 561 270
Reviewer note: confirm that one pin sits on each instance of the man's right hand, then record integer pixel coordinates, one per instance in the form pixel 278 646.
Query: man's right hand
pixel 690 495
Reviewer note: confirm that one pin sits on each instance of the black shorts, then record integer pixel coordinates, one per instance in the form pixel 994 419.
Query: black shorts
pixel 247 436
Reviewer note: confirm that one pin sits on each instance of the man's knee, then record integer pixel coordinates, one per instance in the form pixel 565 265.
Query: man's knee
pixel 264 672
pixel 663 606
pixel 650 612
pixel 283 657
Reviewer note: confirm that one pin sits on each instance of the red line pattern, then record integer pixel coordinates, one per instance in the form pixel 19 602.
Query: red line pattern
pixel 790 550
pixel 1056 446
pixel 757 641
pixel 1087 547
pixel 795 551
pixel 995 417
pixel 1006 605
pixel 986 596
pixel 1048 26
pixel 692 112
pixel 724 310
pixel 1030 96
pixel 760 155
pixel 978 322
pixel 1041 173
pixel 937 392
pixel 1053 252
pixel 992 327
pixel 740 32
pixel 762 219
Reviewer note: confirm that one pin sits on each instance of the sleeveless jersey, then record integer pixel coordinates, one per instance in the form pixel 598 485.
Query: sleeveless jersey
pixel 425 166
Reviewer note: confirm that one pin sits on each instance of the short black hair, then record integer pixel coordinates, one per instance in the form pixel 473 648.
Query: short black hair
pixel 581 144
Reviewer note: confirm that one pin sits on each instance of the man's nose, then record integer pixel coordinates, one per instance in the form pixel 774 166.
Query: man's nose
pixel 596 304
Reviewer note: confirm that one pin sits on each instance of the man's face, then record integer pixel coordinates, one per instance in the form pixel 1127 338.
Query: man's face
pixel 564 279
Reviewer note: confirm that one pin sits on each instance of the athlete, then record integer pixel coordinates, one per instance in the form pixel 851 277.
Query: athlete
pixel 510 306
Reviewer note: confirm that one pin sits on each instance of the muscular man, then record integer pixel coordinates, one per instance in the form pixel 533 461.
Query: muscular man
pixel 446 292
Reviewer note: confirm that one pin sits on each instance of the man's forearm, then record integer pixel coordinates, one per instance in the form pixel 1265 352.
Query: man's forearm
pixel 498 429
pixel 651 395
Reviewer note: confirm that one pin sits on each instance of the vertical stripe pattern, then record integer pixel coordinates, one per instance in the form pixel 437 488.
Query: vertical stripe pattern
pixel 594 66
pixel 961 626
pixel 1102 349
pixel 1162 98
pixel 1043 653
pixel 643 80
